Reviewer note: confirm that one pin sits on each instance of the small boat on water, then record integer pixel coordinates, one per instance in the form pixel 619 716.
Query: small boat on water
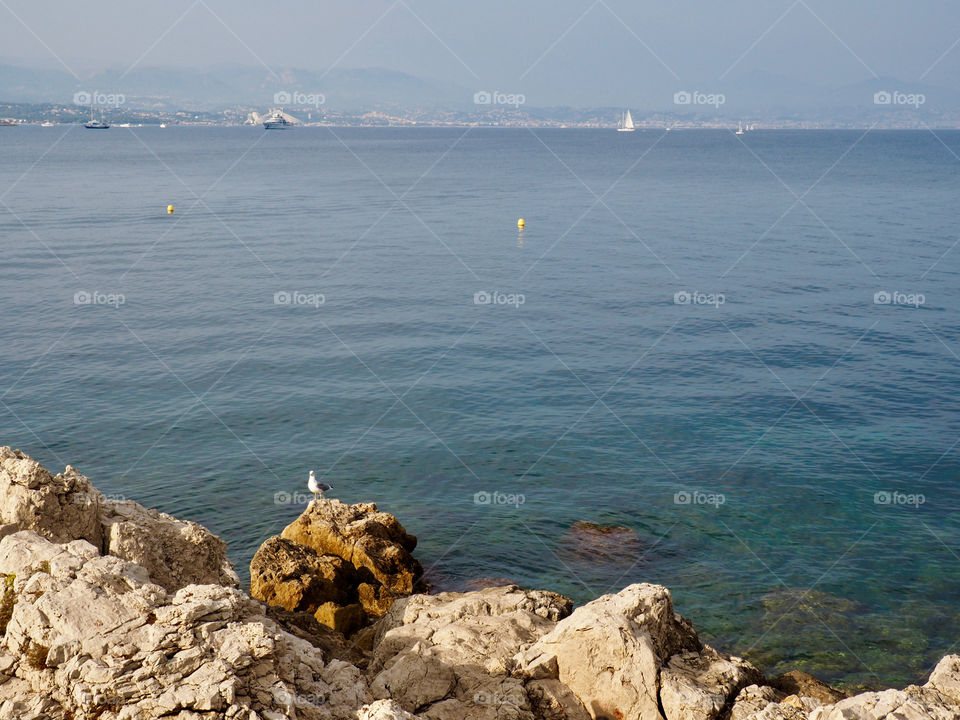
pixel 96 124
pixel 46 123
pixel 626 123
pixel 740 130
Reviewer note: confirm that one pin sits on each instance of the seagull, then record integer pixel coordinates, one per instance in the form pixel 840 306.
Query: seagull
pixel 316 488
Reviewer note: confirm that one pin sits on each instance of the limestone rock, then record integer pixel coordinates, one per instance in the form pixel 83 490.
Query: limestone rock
pixel 175 552
pixel 484 628
pixel 801 684
pixel 67 507
pixel 699 686
pixel 92 635
pixel 609 652
pixel 939 699
pixel 946 677
pixel 296 577
pixel 909 704
pixel 552 700
pixel 61 507
pixel 374 542
pixel 346 619
pixel 763 703
pixel 384 710
pixel 451 655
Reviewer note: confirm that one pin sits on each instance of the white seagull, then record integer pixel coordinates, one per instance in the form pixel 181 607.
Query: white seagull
pixel 316 488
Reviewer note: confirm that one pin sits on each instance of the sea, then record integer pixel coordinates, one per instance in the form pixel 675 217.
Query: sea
pixel 726 364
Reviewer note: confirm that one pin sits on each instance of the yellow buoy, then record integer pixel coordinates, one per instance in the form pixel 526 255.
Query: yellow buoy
pixel 169 209
pixel 520 223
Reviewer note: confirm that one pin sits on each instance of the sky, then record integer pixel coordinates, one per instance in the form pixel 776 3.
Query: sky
pixel 556 52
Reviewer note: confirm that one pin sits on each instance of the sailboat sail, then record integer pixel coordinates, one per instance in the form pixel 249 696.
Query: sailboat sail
pixel 626 123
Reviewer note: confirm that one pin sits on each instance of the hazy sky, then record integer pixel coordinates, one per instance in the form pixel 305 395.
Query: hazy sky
pixel 556 52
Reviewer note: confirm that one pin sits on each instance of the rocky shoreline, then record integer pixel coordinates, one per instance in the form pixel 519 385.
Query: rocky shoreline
pixel 111 611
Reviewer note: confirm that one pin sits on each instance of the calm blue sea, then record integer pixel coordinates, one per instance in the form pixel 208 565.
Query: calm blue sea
pixel 743 350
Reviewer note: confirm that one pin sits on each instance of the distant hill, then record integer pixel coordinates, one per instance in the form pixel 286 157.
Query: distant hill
pixel 751 95
pixel 168 88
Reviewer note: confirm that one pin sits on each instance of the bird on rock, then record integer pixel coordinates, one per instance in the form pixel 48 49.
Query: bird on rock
pixel 317 488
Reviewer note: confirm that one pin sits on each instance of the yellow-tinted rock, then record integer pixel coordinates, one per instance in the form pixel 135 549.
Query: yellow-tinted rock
pixel 343 618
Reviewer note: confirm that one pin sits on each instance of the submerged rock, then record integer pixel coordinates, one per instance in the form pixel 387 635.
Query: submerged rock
pixel 596 543
pixel 801 684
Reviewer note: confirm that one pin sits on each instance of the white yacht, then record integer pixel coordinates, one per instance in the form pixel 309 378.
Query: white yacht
pixel 277 120
pixel 626 123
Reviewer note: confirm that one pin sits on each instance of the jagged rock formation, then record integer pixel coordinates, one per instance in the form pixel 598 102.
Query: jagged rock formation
pixel 88 635
pixel 67 507
pixel 342 563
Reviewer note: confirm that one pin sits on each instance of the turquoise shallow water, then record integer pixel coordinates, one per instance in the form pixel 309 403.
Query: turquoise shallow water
pixel 600 398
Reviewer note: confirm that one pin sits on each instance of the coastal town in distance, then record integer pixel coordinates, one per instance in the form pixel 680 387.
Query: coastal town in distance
pixel 12 114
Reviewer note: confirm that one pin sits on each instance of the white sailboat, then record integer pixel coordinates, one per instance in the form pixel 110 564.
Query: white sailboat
pixel 626 123
pixel 740 129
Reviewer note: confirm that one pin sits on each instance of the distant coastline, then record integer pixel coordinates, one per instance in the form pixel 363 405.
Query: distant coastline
pixel 533 118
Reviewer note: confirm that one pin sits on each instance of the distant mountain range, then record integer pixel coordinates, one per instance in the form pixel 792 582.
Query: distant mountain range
pixel 207 89
pixel 350 90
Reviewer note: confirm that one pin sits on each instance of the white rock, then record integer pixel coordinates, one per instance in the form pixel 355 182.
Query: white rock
pixel 698 686
pixel 384 710
pixel 609 651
